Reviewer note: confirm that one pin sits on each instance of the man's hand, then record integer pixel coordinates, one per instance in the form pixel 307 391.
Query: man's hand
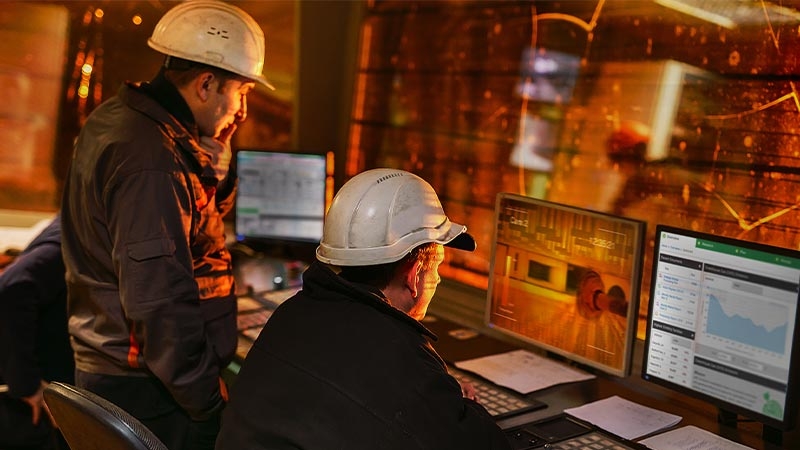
pixel 220 149
pixel 468 390
pixel 37 404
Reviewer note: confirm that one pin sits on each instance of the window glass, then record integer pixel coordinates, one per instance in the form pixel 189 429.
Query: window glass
pixel 681 112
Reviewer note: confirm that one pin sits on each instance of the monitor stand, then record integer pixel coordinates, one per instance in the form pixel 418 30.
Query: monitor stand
pixel 768 434
pixel 284 250
pixel 772 435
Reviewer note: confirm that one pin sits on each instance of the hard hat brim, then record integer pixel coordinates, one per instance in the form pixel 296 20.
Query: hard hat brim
pixel 457 237
pixel 463 241
pixel 258 78
pixel 264 82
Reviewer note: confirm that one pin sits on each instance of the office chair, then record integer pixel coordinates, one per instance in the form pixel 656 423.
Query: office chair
pixel 90 422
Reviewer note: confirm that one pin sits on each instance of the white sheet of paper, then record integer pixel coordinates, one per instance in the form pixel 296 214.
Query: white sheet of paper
pixel 523 371
pixel 691 437
pixel 18 238
pixel 623 417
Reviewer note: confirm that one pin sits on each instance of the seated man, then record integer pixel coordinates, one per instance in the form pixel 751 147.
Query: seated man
pixel 34 344
pixel 346 363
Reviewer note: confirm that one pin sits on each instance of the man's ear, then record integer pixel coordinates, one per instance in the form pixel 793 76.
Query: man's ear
pixel 204 84
pixel 412 277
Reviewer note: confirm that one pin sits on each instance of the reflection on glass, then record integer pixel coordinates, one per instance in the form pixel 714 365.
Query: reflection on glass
pixel 711 110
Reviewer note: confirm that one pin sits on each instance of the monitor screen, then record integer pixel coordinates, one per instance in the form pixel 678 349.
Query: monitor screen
pixel 722 321
pixel 566 280
pixel 281 196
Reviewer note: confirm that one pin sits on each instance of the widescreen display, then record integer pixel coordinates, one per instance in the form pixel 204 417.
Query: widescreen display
pixel 567 280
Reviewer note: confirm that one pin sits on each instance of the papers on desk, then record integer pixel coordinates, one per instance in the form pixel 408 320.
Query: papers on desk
pixel 523 371
pixel 691 437
pixel 624 418
pixel 13 237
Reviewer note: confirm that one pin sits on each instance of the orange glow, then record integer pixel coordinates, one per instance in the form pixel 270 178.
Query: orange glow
pixel 137 19
pixel 353 152
pixel 353 166
pixel 466 276
pixel 329 180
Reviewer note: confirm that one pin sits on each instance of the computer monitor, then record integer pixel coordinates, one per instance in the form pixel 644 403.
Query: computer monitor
pixel 281 198
pixel 566 280
pixel 722 324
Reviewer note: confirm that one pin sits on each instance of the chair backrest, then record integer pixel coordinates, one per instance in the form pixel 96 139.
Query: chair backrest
pixel 90 422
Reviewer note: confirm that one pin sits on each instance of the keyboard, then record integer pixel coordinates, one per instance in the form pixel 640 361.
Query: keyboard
pixel 255 310
pixel 251 322
pixel 563 433
pixel 593 440
pixel 500 402
pixel 277 296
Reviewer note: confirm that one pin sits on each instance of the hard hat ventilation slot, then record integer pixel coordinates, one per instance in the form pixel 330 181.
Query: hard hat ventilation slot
pixel 214 31
pixel 386 177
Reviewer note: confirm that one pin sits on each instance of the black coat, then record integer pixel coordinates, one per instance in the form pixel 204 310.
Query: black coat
pixel 336 367
pixel 34 344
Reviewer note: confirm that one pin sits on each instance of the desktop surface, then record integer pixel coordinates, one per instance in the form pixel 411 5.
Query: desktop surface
pixel 458 342
pixel 563 433
pixel 562 397
pixel 262 283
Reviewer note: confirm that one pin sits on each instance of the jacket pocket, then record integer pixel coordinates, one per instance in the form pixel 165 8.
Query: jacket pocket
pixel 151 272
pixel 153 248
pixel 220 317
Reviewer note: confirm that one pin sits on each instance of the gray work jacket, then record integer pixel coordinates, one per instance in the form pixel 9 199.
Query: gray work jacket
pixel 150 283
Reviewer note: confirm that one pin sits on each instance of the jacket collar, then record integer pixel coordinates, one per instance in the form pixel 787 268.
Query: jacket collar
pixel 168 96
pixel 320 276
pixel 161 101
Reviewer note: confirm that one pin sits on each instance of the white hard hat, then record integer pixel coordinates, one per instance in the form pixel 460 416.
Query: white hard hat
pixel 214 33
pixel 382 214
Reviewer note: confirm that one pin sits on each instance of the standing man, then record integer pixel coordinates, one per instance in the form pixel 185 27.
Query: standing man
pixel 346 362
pixel 152 312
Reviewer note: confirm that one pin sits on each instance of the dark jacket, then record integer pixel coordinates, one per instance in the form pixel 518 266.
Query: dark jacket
pixel 337 367
pixel 149 277
pixel 34 344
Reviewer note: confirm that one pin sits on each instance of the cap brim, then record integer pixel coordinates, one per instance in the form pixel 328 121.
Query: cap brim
pixel 264 82
pixel 463 241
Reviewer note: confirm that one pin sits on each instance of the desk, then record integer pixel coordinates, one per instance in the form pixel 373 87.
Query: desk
pixel 633 388
pixel 559 398
pixel 255 273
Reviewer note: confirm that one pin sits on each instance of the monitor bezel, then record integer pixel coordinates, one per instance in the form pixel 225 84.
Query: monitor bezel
pixel 299 247
pixel 793 389
pixel 640 228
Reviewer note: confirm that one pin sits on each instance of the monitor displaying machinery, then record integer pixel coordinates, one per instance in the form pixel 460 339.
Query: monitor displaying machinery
pixel 722 324
pixel 281 196
pixel 566 280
